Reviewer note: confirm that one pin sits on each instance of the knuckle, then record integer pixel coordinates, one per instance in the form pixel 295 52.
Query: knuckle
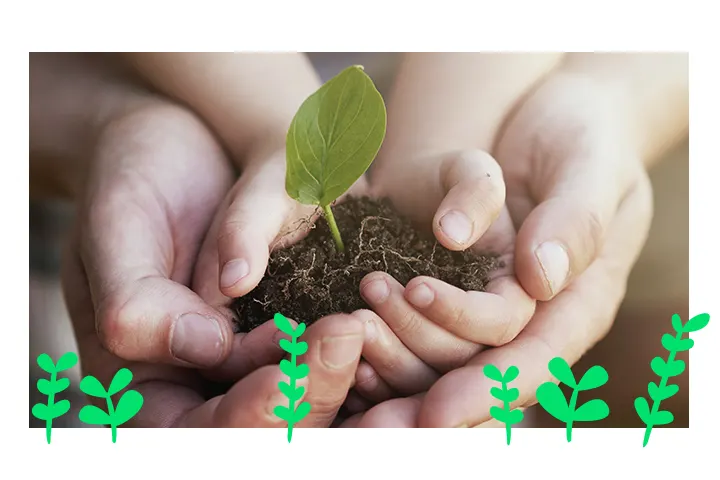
pixel 115 322
pixel 409 324
pixel 506 332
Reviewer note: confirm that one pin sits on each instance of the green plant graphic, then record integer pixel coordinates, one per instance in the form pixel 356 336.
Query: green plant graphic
pixel 552 399
pixel 52 410
pixel 332 140
pixel 295 372
pixel 127 407
pixel 666 369
pixel 507 396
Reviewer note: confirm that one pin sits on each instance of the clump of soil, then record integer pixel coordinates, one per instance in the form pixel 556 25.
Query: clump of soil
pixel 311 279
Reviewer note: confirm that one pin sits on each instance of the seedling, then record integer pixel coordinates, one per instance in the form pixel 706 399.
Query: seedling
pixel 295 372
pixel 52 410
pixel 333 138
pixel 127 407
pixel 507 396
pixel 552 399
pixel 666 369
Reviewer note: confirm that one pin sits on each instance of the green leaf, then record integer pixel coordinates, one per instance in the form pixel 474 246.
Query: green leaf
pixel 512 395
pixel 45 362
pixel 292 394
pixel 302 371
pixel 67 361
pixel 511 374
pixel 41 412
pixel 663 417
pixel 293 348
pixel 127 407
pixel 46 388
pixel 657 394
pixel 283 413
pixel 698 322
pixel 122 379
pixel 300 330
pixel 293 371
pixel 677 323
pixel 283 324
pixel 596 377
pixel 92 415
pixel 499 414
pixel 664 370
pixel 60 408
pixel 592 411
pixel 92 386
pixel 515 416
pixel 498 393
pixel 334 137
pixel 643 410
pixel 493 373
pixel 561 370
pixel 553 401
pixel 673 344
pixel 301 412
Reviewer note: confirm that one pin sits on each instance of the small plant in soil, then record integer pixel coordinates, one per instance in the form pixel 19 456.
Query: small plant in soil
pixel 332 140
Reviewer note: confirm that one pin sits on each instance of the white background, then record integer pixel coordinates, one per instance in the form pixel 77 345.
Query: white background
pixel 360 26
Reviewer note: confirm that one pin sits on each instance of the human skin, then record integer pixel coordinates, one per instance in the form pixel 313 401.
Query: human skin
pixel 574 157
pixel 129 159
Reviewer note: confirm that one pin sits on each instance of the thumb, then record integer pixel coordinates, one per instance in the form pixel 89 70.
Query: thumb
pixel 474 198
pixel 563 235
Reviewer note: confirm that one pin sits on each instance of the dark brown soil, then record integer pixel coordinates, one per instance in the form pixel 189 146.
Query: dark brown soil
pixel 311 279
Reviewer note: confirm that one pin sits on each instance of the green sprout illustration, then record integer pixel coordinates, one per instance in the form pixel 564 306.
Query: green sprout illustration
pixel 507 396
pixel 332 140
pixel 552 399
pixel 52 410
pixel 127 407
pixel 295 372
pixel 666 369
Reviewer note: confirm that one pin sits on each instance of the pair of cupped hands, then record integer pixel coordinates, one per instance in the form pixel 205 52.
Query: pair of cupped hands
pixel 167 235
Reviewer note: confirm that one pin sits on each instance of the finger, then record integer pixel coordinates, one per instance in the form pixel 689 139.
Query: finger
pixel 566 231
pixel 355 403
pixel 250 351
pixel 252 222
pixel 248 404
pixel 139 235
pixel 432 344
pixel 371 386
pixel 395 413
pixel 474 199
pixel 462 397
pixel 334 347
pixel 397 366
pixel 493 317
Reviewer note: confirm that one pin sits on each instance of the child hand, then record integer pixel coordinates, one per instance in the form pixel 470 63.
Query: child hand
pixel 430 327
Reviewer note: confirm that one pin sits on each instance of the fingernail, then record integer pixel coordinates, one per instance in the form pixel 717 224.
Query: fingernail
pixel 376 291
pixel 233 272
pixel 457 226
pixel 197 339
pixel 339 352
pixel 279 335
pixel 555 264
pixel 371 330
pixel 420 295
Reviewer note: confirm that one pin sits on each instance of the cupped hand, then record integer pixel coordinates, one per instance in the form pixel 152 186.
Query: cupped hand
pixel 583 203
pixel 429 327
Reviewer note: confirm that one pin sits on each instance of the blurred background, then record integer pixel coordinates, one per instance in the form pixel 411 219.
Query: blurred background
pixel 658 286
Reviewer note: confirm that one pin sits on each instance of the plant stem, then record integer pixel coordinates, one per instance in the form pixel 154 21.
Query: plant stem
pixel 291 402
pixel 333 228
pixel 51 402
pixel 573 402
pixel 663 383
pixel 111 413
pixel 506 406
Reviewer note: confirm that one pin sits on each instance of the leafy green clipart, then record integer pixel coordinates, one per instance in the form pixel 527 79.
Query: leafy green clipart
pixel 332 140
pixel 552 399
pixel 52 410
pixel 506 395
pixel 295 372
pixel 665 369
pixel 127 407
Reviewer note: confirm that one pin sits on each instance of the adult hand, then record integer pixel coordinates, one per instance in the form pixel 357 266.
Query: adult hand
pixel 580 195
